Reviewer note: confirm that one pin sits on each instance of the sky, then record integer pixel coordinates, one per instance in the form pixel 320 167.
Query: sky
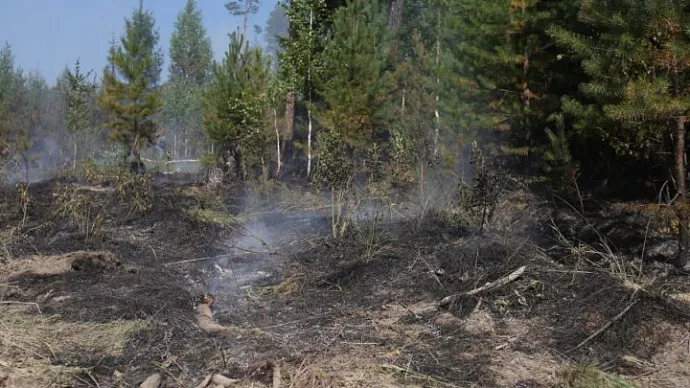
pixel 47 35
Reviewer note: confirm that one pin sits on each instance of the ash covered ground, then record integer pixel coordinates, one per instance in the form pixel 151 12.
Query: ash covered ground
pixel 362 310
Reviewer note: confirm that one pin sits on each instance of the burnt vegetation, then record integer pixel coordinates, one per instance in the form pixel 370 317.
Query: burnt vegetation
pixel 459 193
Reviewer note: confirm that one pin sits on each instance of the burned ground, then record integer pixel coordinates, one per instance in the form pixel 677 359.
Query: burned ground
pixel 357 311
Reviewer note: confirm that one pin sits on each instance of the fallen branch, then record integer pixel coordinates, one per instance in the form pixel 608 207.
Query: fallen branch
pixel 26 303
pixel 242 251
pixel 196 260
pixel 606 326
pixel 488 286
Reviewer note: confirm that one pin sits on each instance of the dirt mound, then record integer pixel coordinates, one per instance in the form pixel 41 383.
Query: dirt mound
pixel 84 261
pixel 92 261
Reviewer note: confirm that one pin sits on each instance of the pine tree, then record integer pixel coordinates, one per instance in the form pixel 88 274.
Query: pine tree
pixel 14 104
pixel 507 71
pixel 191 58
pixel 191 54
pixel 8 86
pixel 414 80
pixel 129 94
pixel 243 8
pixel 235 107
pixel 356 79
pixel 638 64
pixel 77 94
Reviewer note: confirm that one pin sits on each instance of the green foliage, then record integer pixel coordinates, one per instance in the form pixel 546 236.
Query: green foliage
pixel 144 31
pixel 77 94
pixel 235 106
pixel 415 89
pixel 130 95
pixel 190 70
pixel 242 7
pixel 482 197
pixel 356 81
pixel 637 64
pixel 12 103
pixel 506 71
pixel 335 167
pixel 191 54
pixel 79 209
pixel 301 59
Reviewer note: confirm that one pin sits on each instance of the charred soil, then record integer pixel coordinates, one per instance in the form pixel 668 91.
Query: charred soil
pixel 359 311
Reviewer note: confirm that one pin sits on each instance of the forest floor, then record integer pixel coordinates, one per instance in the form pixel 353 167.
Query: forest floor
pixel 360 311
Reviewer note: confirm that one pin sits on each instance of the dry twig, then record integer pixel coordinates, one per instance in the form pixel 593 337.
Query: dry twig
pixel 26 303
pixel 488 286
pixel 606 326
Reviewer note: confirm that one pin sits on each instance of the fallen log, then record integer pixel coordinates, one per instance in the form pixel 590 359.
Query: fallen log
pixel 488 286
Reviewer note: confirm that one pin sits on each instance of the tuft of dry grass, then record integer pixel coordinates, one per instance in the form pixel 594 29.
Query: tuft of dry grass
pixel 582 376
pixel 211 216
pixel 80 209
pixel 30 344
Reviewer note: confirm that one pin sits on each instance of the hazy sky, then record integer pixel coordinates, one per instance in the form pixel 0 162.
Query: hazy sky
pixel 47 35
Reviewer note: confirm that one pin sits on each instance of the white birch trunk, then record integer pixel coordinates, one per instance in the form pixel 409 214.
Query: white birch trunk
pixel 74 162
pixel 309 136
pixel 309 156
pixel 275 127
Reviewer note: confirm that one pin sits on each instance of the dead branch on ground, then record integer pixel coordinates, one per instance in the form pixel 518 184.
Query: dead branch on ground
pixel 25 303
pixel 488 286
pixel 606 326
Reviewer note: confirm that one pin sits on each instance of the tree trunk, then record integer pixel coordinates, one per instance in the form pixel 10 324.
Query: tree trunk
pixel 682 201
pixel 244 24
pixel 395 17
pixel 309 144
pixel 311 23
pixel 526 95
pixel 289 127
pixel 289 112
pixel 275 127
pixel 395 13
pixel 237 155
pixel 437 114
pixel 136 166
pixel 74 162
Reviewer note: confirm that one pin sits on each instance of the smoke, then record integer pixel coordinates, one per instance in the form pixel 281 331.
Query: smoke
pixel 256 254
